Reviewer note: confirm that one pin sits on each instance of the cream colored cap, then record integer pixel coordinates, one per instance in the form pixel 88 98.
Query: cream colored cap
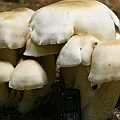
pixel 28 75
pixel 14 30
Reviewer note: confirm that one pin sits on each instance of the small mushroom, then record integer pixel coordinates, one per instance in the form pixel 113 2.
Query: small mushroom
pixel 6 69
pixel 105 63
pixel 27 75
pixel 44 55
pixel 48 64
pixel 71 17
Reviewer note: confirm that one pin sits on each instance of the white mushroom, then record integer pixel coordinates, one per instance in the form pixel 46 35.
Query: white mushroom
pixel 70 17
pixel 6 69
pixel 105 63
pixel 44 55
pixel 77 50
pixel 33 49
pixel 14 30
pixel 14 33
pixel 28 75
pixel 96 104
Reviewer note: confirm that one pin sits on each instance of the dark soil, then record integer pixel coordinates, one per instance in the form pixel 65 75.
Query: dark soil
pixel 48 111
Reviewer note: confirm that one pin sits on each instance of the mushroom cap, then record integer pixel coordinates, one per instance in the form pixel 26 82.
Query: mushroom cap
pixel 33 49
pixel 14 31
pixel 28 75
pixel 105 62
pixel 25 12
pixel 72 17
pixel 77 50
pixel 6 69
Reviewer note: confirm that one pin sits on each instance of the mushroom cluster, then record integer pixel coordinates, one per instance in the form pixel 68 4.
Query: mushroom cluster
pixel 84 31
pixel 14 33
pixel 20 80
pixel 27 78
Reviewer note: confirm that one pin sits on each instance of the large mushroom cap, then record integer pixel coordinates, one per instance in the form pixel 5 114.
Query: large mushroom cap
pixel 6 69
pixel 71 17
pixel 14 30
pixel 28 75
pixel 77 50
pixel 33 49
pixel 105 63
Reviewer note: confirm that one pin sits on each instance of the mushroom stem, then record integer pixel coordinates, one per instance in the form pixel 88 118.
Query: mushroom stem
pixel 83 84
pixel 67 75
pixel 11 97
pixel 102 101
pixel 17 98
pixel 4 93
pixel 14 98
pixel 96 104
pixel 27 102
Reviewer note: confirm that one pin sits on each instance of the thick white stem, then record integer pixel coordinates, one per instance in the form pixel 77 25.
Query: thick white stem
pixel 102 101
pixel 96 104
pixel 27 102
pixel 83 84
